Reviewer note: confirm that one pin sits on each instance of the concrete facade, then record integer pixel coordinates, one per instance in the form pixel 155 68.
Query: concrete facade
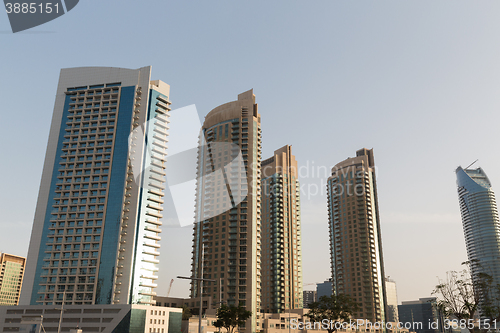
pixel 355 236
pixel 310 296
pixel 11 278
pixel 228 208
pixel 392 300
pixel 93 318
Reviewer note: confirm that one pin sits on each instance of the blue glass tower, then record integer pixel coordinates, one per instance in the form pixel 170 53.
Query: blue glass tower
pixel 97 221
pixel 480 221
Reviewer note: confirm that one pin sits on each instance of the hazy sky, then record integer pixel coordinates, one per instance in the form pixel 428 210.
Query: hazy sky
pixel 418 81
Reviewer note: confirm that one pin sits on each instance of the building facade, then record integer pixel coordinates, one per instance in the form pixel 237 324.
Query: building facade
pixel 104 318
pixel 95 235
pixel 11 278
pixel 480 222
pixel 324 289
pixel 228 203
pixel 420 313
pixel 281 233
pixel 310 296
pixel 392 300
pixel 355 238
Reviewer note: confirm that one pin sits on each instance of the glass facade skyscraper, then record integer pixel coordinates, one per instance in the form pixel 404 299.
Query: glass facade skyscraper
pixel 97 221
pixel 480 221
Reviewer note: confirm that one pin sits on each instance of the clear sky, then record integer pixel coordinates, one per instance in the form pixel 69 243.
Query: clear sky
pixel 418 81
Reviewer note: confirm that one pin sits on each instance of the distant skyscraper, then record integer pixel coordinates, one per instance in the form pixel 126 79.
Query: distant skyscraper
pixel 281 252
pixel 324 289
pixel 227 211
pixel 480 221
pixel 96 228
pixel 310 296
pixel 355 239
pixel 11 278
pixel 392 300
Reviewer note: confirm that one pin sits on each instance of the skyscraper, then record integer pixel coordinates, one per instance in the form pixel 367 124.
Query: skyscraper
pixel 480 221
pixel 11 278
pixel 227 211
pixel 355 238
pixel 281 245
pixel 96 227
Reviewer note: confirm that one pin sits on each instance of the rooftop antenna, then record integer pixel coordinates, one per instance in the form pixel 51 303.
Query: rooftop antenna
pixel 472 163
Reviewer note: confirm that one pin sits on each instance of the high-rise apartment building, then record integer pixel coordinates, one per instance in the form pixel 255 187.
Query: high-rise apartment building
pixel 392 300
pixel 310 297
pixel 95 235
pixel 11 278
pixel 228 204
pixel 281 246
pixel 355 238
pixel 480 221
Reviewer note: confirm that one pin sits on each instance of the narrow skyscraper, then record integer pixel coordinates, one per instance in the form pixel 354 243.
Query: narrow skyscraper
pixel 392 300
pixel 96 227
pixel 281 235
pixel 227 211
pixel 355 238
pixel 480 221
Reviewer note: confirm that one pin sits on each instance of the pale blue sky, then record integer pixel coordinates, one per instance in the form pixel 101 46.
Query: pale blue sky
pixel 418 81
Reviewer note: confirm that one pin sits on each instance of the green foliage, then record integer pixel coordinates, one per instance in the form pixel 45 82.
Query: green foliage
pixel 335 308
pixel 186 312
pixel 230 317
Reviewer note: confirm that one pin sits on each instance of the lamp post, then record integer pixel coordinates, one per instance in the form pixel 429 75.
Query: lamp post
pixel 62 311
pixel 201 279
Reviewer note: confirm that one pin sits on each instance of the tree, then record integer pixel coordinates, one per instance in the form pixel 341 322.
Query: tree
pixel 457 298
pixel 335 308
pixel 462 296
pixel 186 312
pixel 231 317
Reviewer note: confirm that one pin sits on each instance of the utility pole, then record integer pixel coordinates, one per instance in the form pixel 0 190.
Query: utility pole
pixel 201 286
pixel 201 279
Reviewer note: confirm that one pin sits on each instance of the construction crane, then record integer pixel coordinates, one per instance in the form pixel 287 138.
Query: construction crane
pixel 170 287
pixel 309 284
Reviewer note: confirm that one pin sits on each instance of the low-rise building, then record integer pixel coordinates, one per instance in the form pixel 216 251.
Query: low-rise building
pixel 420 313
pixel 108 318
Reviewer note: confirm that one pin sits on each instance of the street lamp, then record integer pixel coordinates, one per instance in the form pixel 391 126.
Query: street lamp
pixel 201 279
pixel 62 311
